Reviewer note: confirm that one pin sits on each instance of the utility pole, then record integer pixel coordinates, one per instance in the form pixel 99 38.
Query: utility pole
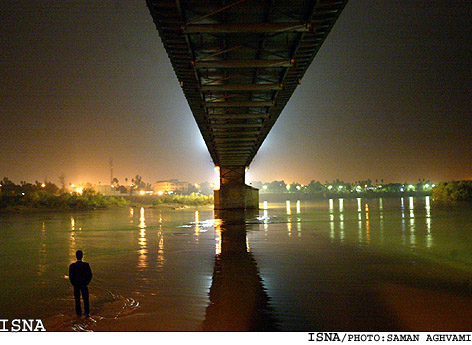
pixel 111 171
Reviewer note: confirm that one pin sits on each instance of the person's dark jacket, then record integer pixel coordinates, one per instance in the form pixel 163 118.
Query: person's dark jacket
pixel 80 274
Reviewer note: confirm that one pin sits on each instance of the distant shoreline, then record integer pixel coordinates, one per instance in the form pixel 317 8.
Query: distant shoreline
pixel 89 200
pixel 275 197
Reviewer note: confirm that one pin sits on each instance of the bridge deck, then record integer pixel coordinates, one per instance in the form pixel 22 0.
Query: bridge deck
pixel 238 63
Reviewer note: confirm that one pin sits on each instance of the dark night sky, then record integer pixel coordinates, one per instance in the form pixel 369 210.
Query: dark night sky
pixel 388 96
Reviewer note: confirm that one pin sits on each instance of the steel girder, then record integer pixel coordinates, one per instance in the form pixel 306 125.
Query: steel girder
pixel 238 63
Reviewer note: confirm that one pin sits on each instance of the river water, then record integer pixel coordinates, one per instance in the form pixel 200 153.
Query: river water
pixel 345 265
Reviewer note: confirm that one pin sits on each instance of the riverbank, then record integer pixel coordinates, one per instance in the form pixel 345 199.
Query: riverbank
pixel 90 201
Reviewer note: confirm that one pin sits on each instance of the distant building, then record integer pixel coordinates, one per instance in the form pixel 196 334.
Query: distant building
pixel 174 186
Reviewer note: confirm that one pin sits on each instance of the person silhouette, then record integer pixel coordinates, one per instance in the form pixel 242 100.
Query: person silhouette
pixel 80 276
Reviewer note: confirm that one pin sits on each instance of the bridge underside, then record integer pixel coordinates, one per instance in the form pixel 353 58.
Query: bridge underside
pixel 238 63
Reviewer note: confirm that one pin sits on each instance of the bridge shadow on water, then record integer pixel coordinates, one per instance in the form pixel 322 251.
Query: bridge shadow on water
pixel 238 299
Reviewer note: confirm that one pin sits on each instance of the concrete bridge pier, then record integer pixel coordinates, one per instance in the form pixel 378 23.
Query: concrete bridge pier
pixel 233 192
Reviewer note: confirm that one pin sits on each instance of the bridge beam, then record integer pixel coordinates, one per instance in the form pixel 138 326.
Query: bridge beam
pixel 236 104
pixel 244 63
pixel 246 28
pixel 241 87
pixel 237 116
pixel 236 125
pixel 233 192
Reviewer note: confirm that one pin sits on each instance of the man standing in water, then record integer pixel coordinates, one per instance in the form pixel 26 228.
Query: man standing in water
pixel 80 276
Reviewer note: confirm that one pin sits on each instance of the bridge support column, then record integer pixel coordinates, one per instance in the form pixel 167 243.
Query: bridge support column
pixel 233 192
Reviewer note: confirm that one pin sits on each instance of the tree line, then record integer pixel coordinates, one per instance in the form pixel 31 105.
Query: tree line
pixel 342 188
pixel 453 191
pixel 49 196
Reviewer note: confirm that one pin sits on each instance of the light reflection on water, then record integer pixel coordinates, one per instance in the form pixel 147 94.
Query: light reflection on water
pixel 414 223
pixel 197 223
pixel 399 226
pixel 217 237
pixel 162 259
pixel 265 217
pixel 289 219
pixel 160 246
pixel 72 246
pixel 142 259
pixel 43 251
